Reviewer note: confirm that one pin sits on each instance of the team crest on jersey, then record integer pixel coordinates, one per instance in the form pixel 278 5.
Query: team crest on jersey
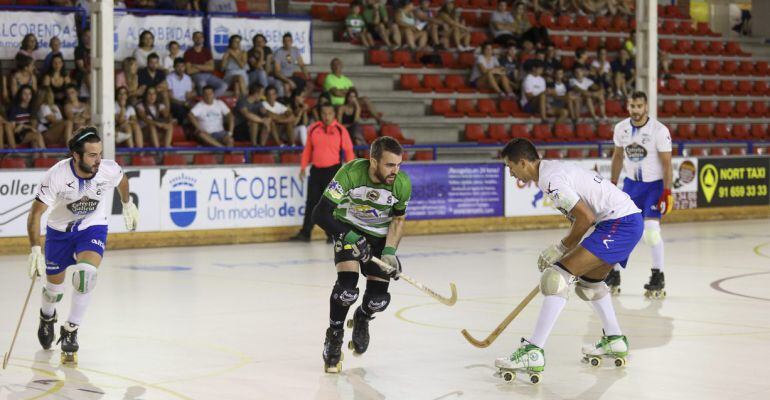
pixel 636 152
pixel 84 206
pixel 335 189
pixel 373 195
pixel 364 212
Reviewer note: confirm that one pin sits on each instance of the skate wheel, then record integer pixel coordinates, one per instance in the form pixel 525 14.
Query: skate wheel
pixel 615 291
pixel 534 378
pixel 663 294
pixel 509 376
pixel 333 369
pixel 595 361
pixel 620 362
pixel 350 323
pixel 351 346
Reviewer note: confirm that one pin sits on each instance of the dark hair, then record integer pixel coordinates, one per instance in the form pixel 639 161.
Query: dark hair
pixel 23 61
pixel 147 94
pixel 17 98
pixel 207 87
pixel 518 149
pixel 117 91
pixel 87 134
pixel 599 50
pixel 178 60
pixel 287 35
pixel 26 37
pixel 151 56
pixel 579 52
pixel 232 39
pixel 63 65
pixel 141 35
pixel 255 88
pixel 168 46
pixel 269 88
pixel 254 38
pixel 383 144
pixel 636 95
pixel 351 90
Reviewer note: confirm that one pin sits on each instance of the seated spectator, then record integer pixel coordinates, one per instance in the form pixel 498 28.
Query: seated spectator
pixel 57 79
pixel 28 46
pixel 145 48
pixel 503 26
pixel 51 123
pixel 533 95
pixel 207 117
pixel 280 117
pixel 601 70
pixel 55 44
pixel 428 22
pixel 251 123
pixel 24 75
pixel 77 111
pixel 415 38
pixel 22 125
pixel 299 110
pixel 83 63
pixel 558 98
pixel 200 66
pixel 349 115
pixel 315 113
pixel 174 52
pixel 129 79
pixel 550 6
pixel 355 27
pixel 524 30
pixel 551 60
pixel 181 91
pixel 287 62
pixel 234 66
pixel 509 62
pixel 581 59
pixel 743 28
pixel 260 59
pixel 455 28
pixel 337 85
pixel 152 76
pixel 583 88
pixel 527 53
pixel 629 44
pixel 487 73
pixel 624 71
pixel 664 65
pixel 127 129
pixel 378 24
pixel 154 118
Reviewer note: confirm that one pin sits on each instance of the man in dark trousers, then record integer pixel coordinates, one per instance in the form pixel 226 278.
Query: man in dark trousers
pixel 325 140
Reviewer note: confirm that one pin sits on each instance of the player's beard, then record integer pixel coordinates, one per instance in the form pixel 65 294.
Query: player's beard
pixel 638 117
pixel 384 179
pixel 87 168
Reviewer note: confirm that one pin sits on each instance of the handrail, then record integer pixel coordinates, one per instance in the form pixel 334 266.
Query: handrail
pixel 160 11
pixel 300 17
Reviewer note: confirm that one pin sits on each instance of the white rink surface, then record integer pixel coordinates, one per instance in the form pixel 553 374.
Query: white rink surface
pixel 247 322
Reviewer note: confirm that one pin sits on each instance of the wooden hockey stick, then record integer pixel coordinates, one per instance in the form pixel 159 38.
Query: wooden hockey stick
pixel 7 355
pixel 450 301
pixel 500 328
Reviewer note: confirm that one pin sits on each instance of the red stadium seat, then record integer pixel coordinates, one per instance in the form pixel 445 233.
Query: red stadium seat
pixel 559 41
pixel 498 133
pixel 604 131
pixel 395 132
pixel 542 133
pixel 576 42
pixel 619 24
pixel 474 133
pixel 467 59
pixel 204 159
pixel 547 20
pixel 726 88
pixel 143 160
pixel 593 43
pixel 668 27
pixel 738 151
pixel 669 109
pixel 721 131
pixel 411 82
pixel 553 154
pixel 489 107
pixel 744 87
pixel 457 84
pixel 715 48
pixel 666 45
pixel 760 68
pixel 405 59
pixel 741 109
pixel 319 11
pixel 710 87
pixel 379 57
pixel 729 67
pixel 740 131
pixel 576 153
pixel 290 158
pixel 583 23
pixel 760 88
pixel 614 43
pixel 699 152
pixel 713 67
pixel 466 107
pixel 602 23
pixel 703 132
pixel 758 132
pixel 684 132
pixel 45 162
pixel 234 159
pixel 425 155
pixel 700 47
pixel 746 68
pixel 174 159
pixel 564 22
pixel 448 59
pixel 441 106
pixel 695 66
pixel 687 109
pixel 585 132
pixel 510 106
pixel 684 28
pixel 520 131
pixel 734 49
pixel 262 158
pixel 478 38
pixel 692 86
pixel 564 132
pixel 678 65
pixel 706 108
pixel 758 109
pixel 370 133
pixel 682 47
pixel 724 109
pixel 436 83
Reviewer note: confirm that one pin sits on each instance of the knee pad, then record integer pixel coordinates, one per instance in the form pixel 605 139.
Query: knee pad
pixel 590 291
pixel 344 296
pixel 52 292
pixel 651 236
pixel 555 281
pixel 84 277
pixel 376 302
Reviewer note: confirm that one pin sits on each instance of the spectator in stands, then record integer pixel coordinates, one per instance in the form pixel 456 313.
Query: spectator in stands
pixel 207 117
pixel 55 44
pixel 323 99
pixel 287 62
pixel 28 45
pixel 601 70
pixel 550 6
pixel 126 126
pixel 145 48
pixel 200 66
pixel 613 7
pixel 83 62
pixel 181 91
pixel 155 118
pixel 526 53
pixel 624 71
pixel 299 110
pixel 337 85
pixel 407 23
pixel 378 24
pixel 558 97
pixel 349 115
pixel 582 88
pixel 524 30
pixel 152 76
pixel 743 28
pixel 509 62
pixel 533 95
pixel 51 123
pixel 551 60
pixel 260 59
pixel 129 78
pixel 503 26
pixel 234 64
pixel 581 59
pixel 487 73
pixel 145 4
pixel 629 44
pixel 174 52
pixel 428 22
pixel 77 111
pixel 22 126
pixel 355 27
pixel 280 116
pixel 664 65
pixel 455 28
pixel 251 123
pixel 24 75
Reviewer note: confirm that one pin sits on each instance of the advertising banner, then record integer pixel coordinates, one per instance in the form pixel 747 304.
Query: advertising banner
pixel 455 190
pixel 221 28
pixel 221 198
pixel 165 28
pixel 733 181
pixel 14 25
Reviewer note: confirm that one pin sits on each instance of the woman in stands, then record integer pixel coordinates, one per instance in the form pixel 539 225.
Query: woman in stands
pixel 146 47
pixel 260 59
pixel 300 110
pixel 51 122
pixel 22 126
pixel 487 73
pixel 129 78
pixel 234 64
pixel 455 28
pixel 28 45
pixel 154 117
pixel 406 21
pixel 57 79
pixel 77 111
pixel 126 127
pixel 24 74
pixel 349 115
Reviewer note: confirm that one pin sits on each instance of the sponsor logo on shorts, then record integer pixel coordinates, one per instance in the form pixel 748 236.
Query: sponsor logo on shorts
pixel 98 243
pixel 606 242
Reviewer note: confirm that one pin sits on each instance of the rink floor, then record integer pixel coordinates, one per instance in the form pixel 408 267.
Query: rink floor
pixel 247 322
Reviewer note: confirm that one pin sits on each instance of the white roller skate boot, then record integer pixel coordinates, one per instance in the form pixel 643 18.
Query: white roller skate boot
pixel 528 358
pixel 614 347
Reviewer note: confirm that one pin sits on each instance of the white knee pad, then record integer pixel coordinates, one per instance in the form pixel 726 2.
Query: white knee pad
pixel 84 277
pixel 651 236
pixel 556 282
pixel 590 291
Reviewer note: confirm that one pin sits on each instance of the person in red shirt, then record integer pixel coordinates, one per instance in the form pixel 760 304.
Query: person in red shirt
pixel 325 140
pixel 200 65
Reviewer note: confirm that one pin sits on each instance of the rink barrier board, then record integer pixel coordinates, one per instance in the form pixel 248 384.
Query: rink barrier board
pixel 139 240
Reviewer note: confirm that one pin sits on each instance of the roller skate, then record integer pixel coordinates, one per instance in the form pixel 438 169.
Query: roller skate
pixel 613 282
pixel 656 288
pixel 360 325
pixel 614 347
pixel 68 337
pixel 46 331
pixel 528 358
pixel 332 353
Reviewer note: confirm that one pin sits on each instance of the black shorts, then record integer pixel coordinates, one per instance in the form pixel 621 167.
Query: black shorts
pixel 377 244
pixel 241 132
pixel 372 29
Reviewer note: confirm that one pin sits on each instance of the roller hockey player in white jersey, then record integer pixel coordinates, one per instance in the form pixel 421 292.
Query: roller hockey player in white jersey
pixel 75 189
pixel 588 200
pixel 643 151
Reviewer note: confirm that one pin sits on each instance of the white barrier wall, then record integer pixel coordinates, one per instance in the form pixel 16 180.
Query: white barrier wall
pixel 44 25
pixel 220 30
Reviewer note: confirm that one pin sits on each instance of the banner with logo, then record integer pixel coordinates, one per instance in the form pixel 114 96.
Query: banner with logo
pixel 733 181
pixel 455 190
pixel 223 198
pixel 14 25
pixel 143 187
pixel 221 28
pixel 166 28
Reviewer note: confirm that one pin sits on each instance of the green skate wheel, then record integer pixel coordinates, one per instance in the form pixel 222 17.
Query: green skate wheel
pixel 534 378
pixel 509 376
pixel 620 362
pixel 350 323
pixel 595 361
pixel 350 345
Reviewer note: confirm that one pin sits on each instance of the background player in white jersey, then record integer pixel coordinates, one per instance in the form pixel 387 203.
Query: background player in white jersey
pixel 588 200
pixel 643 149
pixel 76 234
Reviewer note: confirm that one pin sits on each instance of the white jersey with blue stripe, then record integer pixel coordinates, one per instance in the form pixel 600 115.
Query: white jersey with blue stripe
pixel 78 203
pixel 641 146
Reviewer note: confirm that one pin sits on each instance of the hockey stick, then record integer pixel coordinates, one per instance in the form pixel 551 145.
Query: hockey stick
pixel 500 328
pixel 7 355
pixel 450 301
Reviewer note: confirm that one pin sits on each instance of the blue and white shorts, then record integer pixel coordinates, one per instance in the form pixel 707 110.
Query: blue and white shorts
pixel 62 248
pixel 645 195
pixel 612 241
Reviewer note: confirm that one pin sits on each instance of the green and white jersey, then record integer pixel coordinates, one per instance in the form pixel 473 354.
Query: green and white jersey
pixel 366 205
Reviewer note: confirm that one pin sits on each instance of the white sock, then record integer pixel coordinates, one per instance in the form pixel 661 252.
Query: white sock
pixel 80 302
pixel 657 250
pixel 606 312
pixel 51 294
pixel 549 313
pixel 617 267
